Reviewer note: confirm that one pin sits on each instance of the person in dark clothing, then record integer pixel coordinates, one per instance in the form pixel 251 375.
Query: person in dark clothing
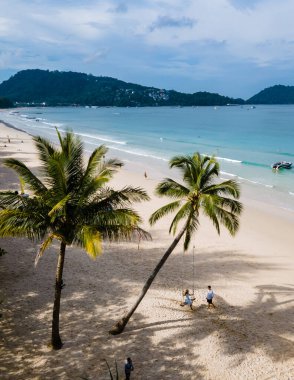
pixel 129 368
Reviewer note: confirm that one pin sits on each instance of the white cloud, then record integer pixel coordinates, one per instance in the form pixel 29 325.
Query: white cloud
pixel 206 35
pixel 8 56
pixel 6 25
pixel 96 56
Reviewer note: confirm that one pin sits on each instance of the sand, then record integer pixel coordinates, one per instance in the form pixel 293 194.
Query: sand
pixel 250 335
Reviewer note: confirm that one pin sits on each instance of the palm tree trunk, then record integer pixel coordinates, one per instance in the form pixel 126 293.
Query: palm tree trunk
pixel 121 324
pixel 55 337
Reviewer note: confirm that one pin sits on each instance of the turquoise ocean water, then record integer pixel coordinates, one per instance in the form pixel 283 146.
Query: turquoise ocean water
pixel 246 140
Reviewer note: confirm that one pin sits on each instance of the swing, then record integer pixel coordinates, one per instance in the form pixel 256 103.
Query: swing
pixel 184 290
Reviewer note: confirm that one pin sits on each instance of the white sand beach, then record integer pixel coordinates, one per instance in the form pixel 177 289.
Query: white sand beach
pixel 250 335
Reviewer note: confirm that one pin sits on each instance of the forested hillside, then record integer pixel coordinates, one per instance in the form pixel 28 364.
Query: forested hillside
pixel 55 88
pixel 274 95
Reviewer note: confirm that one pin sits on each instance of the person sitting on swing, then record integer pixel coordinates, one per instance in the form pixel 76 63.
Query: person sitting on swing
pixel 188 299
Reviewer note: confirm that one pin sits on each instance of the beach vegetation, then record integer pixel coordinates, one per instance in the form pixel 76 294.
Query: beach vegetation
pixel 6 103
pixel 200 193
pixel 70 202
pixel 112 376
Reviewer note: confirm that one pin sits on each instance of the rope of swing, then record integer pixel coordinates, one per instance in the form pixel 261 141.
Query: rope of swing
pixel 182 285
pixel 183 272
pixel 193 269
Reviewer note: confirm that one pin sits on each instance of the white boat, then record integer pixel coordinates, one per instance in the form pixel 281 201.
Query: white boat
pixel 282 165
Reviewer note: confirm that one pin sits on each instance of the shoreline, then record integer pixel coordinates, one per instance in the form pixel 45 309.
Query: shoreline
pixel 141 161
pixel 8 125
pixel 249 335
pixel 139 168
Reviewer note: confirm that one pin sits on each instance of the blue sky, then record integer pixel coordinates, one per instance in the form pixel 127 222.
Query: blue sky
pixel 233 47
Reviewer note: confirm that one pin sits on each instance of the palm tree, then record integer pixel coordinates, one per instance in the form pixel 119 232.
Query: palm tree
pixel 200 190
pixel 72 205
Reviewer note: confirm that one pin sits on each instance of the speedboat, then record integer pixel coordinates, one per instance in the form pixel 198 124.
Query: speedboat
pixel 282 165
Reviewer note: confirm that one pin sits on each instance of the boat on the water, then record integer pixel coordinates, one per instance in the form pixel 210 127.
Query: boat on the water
pixel 282 165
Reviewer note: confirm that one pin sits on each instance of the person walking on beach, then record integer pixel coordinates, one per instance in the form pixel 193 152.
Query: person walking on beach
pixel 188 299
pixel 209 297
pixel 128 368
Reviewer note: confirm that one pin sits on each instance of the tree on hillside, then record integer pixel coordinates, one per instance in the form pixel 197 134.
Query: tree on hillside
pixel 200 190
pixel 5 103
pixel 70 203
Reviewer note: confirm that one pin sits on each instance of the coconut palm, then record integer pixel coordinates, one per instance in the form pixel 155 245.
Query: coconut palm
pixel 200 191
pixel 70 203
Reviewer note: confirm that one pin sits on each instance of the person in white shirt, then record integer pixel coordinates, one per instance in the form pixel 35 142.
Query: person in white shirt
pixel 188 299
pixel 209 297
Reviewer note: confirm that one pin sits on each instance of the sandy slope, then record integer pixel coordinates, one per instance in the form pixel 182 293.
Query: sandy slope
pixel 249 336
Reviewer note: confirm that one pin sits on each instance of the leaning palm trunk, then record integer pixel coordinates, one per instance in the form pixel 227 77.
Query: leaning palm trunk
pixel 121 324
pixel 55 338
pixel 199 190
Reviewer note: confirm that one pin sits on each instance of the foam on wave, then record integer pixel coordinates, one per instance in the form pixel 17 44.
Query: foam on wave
pixel 101 138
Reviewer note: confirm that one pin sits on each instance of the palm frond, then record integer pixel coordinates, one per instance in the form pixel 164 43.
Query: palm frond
pixel 163 211
pixel 94 161
pixel 46 244
pixel 170 188
pixel 22 185
pixel 45 149
pixel 119 233
pixel 73 156
pixel 18 223
pixel 208 206
pixel 209 171
pixel 112 164
pixel 191 174
pixel 128 195
pixel 23 171
pixel 98 169
pixel 232 205
pixel 90 239
pixel 114 217
pixel 46 152
pixel 57 176
pixel 9 199
pixel 179 161
pixel 229 187
pixel 55 211
pixel 108 199
pixel 192 225
pixel 90 187
pixel 184 211
pixel 228 219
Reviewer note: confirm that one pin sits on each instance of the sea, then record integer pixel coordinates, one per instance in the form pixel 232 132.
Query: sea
pixel 246 140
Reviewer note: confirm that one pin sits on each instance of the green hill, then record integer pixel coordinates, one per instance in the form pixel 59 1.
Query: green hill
pixel 274 95
pixel 55 88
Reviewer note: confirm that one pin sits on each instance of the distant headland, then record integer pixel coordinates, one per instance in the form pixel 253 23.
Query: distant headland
pixel 55 88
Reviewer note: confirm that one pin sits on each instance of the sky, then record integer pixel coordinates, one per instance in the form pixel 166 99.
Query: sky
pixel 231 47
